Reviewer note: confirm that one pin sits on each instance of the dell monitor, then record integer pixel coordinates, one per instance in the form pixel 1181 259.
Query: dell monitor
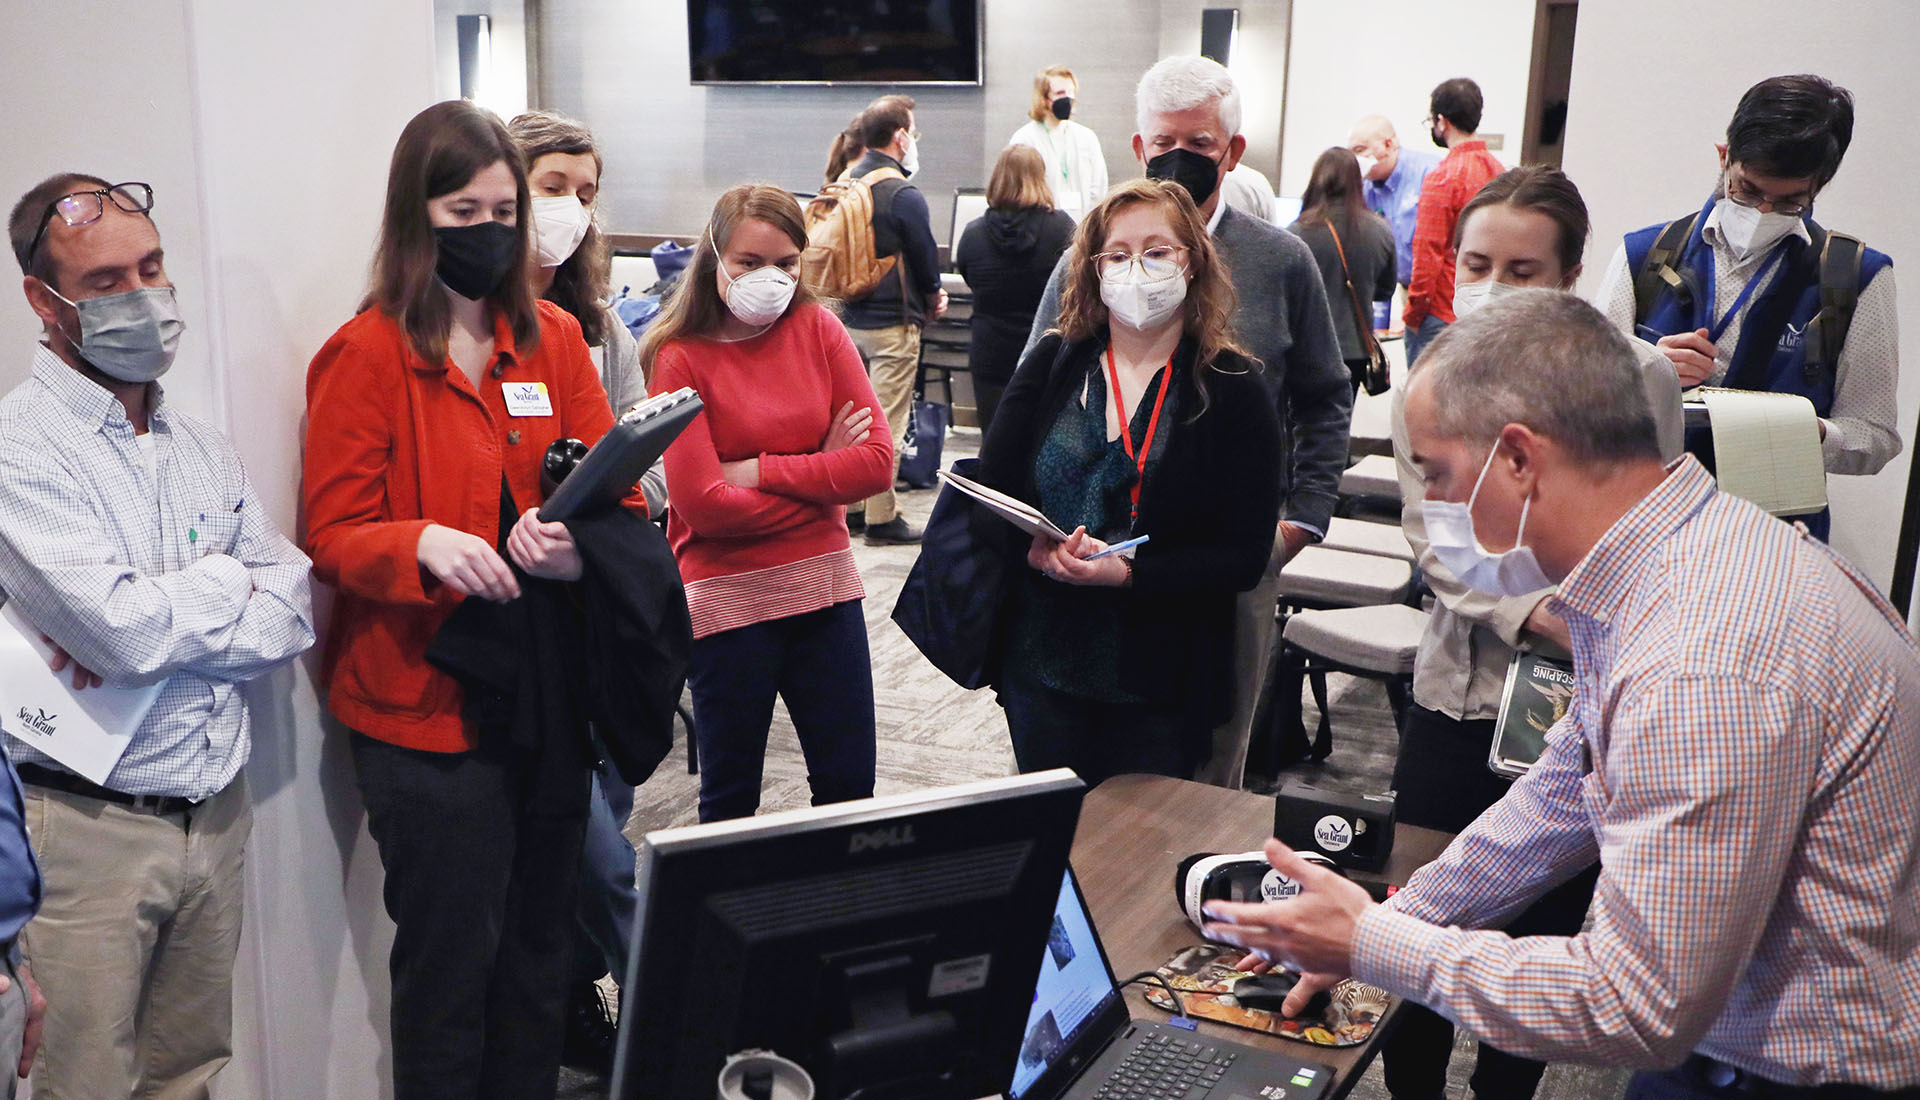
pixel 888 946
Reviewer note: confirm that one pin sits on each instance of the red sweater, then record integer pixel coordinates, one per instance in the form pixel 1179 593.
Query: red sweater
pixel 395 443
pixel 752 555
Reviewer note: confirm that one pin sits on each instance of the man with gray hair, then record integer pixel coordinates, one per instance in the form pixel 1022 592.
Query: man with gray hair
pixel 1742 756
pixel 1188 113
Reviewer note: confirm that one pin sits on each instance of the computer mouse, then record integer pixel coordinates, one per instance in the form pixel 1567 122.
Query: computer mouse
pixel 1267 992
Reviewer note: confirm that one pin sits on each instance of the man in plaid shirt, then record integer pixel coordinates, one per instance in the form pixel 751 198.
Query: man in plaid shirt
pixel 132 541
pixel 1742 757
pixel 1453 117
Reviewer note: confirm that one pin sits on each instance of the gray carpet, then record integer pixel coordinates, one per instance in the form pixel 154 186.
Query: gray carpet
pixel 932 733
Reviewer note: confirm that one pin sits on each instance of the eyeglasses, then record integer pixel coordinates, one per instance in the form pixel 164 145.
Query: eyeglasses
pixel 1158 262
pixel 86 207
pixel 1745 194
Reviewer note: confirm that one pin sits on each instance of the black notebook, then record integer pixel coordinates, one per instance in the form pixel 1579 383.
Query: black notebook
pixel 608 473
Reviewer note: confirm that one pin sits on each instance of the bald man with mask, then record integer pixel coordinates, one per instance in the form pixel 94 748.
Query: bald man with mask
pixel 1391 176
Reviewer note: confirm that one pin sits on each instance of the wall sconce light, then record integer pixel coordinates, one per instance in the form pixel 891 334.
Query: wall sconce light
pixel 1218 29
pixel 475 35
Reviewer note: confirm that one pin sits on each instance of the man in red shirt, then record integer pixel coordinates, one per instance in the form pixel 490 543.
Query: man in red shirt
pixel 1453 116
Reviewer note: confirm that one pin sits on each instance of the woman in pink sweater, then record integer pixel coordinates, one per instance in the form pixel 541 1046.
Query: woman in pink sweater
pixel 759 486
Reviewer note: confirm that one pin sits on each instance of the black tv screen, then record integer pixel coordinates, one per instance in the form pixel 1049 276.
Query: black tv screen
pixel 834 41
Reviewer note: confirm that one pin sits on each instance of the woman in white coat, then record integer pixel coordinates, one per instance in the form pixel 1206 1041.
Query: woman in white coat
pixel 1076 169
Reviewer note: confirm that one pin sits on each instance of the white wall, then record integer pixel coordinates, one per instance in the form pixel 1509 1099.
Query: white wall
pixel 265 130
pixel 1640 134
pixel 1351 60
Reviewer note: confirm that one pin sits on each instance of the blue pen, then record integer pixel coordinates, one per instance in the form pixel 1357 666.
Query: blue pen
pixel 1117 547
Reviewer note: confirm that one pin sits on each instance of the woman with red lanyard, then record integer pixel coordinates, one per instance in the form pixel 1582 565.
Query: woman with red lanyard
pixel 1137 417
pixel 428 415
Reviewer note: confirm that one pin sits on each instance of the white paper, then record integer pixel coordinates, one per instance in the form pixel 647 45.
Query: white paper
pixel 1014 510
pixel 86 730
pixel 1766 449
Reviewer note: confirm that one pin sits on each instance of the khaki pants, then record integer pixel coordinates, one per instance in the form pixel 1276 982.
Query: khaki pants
pixel 134 944
pixel 893 360
pixel 1253 640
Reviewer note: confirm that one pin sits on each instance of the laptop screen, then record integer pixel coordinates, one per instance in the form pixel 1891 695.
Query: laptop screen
pixel 1074 986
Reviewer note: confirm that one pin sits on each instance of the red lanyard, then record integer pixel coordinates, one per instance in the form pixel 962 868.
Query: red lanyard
pixel 1126 429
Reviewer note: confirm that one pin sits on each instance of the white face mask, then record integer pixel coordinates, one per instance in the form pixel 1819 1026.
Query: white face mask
pixel 1367 164
pixel 910 160
pixel 760 297
pixel 1141 303
pixel 560 223
pixel 1468 297
pixel 1450 533
pixel 1749 232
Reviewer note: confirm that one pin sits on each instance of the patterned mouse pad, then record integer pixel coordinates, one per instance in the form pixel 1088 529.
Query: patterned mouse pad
pixel 1204 976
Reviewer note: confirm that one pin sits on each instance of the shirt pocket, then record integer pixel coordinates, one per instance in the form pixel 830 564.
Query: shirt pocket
pixel 213 533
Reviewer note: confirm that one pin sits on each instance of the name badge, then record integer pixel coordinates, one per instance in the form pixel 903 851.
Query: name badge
pixel 527 399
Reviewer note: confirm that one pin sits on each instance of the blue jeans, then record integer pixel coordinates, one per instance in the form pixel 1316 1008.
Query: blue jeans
pixel 604 919
pixel 1418 337
pixel 1051 729
pixel 819 664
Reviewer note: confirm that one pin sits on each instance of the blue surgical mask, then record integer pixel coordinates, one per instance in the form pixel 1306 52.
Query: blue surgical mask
pixel 131 336
pixel 1451 536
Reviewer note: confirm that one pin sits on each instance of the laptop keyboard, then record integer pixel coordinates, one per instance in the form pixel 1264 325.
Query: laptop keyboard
pixel 1166 1067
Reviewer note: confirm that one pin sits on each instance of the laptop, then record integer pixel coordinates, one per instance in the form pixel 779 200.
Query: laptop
pixel 1082 1043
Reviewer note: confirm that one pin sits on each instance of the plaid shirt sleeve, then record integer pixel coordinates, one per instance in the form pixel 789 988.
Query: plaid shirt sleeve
pixel 1522 846
pixel 60 563
pixel 1695 829
pixel 276 620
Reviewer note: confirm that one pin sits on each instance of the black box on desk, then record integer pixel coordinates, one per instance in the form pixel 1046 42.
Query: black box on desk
pixel 1353 830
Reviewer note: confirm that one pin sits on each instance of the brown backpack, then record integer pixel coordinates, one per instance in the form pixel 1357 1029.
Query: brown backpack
pixel 838 261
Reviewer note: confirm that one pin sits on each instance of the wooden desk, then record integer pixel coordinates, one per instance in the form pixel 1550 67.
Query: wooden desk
pixel 1135 830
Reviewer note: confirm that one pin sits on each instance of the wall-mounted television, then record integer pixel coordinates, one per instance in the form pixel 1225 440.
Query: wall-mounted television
pixel 834 41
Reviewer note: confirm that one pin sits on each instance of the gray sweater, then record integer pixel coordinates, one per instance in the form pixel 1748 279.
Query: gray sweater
pixel 1282 319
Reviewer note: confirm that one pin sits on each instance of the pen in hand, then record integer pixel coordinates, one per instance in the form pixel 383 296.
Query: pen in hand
pixel 1117 547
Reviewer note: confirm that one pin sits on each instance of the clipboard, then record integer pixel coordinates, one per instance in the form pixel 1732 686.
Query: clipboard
pixel 1012 509
pixel 1538 692
pixel 88 730
pixel 634 443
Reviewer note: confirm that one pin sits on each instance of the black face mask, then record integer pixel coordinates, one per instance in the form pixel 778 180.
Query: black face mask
pixel 1198 173
pixel 1438 135
pixel 1063 108
pixel 476 259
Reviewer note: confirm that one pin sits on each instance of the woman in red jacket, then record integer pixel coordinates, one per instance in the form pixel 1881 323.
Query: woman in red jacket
pixel 759 484
pixel 428 415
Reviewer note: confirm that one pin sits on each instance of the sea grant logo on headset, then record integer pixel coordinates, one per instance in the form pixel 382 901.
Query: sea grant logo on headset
pixel 1335 834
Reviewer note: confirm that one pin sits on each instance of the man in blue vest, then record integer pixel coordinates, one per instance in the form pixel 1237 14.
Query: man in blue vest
pixel 1735 295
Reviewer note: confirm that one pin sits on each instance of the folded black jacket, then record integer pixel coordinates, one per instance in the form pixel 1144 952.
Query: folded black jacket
pixel 608 652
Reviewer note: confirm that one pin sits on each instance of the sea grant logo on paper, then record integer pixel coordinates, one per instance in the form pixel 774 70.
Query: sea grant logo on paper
pixel 37 721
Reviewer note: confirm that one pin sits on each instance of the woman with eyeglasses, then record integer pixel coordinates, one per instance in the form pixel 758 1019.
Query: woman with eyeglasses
pixel 791 435
pixel 428 416
pixel 1137 418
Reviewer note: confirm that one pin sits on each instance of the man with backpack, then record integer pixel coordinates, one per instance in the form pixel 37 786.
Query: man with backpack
pixel 1750 293
pixel 870 243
